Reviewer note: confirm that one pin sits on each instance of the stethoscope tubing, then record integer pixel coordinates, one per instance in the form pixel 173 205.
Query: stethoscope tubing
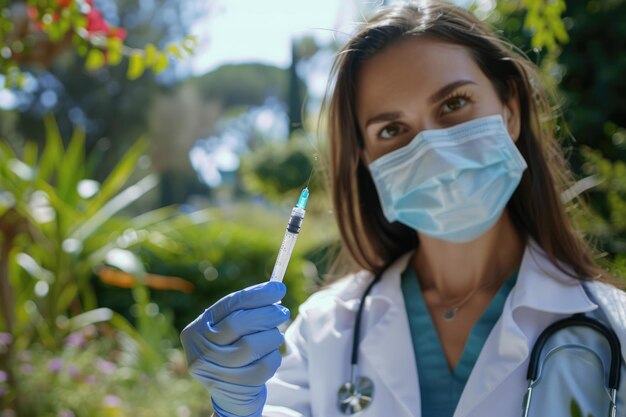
pixel 357 324
pixel 583 321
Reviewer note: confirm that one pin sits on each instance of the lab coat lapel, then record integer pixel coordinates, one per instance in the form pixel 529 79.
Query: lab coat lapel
pixel 542 295
pixel 606 295
pixel 386 347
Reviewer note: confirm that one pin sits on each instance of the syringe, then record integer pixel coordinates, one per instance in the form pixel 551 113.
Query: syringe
pixel 291 235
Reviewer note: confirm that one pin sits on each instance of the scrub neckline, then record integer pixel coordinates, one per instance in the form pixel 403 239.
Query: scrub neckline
pixel 416 309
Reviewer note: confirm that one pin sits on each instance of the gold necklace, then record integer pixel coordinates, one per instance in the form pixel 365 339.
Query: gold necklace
pixel 449 313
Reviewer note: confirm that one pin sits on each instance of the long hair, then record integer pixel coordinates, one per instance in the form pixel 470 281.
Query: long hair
pixel 369 240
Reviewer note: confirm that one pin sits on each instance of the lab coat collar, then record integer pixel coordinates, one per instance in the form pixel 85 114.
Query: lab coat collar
pixel 386 343
pixel 542 286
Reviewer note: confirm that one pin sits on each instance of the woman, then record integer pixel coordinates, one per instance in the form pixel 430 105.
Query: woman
pixel 446 182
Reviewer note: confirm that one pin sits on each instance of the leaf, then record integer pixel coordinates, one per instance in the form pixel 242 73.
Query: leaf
pixel 95 59
pixel 119 202
pixel 30 265
pixel 90 317
pixel 161 63
pixel 174 50
pixel 114 51
pixel 125 261
pixel 30 153
pixel 118 176
pixel 53 151
pixel 71 169
pixel 575 410
pixel 151 53
pixel 20 169
pixel 136 66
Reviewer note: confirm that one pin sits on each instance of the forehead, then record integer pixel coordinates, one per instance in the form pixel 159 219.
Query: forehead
pixel 412 68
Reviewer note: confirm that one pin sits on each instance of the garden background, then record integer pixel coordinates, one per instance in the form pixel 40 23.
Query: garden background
pixel 135 192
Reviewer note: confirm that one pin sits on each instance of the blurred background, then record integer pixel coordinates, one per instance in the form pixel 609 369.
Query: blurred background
pixel 151 151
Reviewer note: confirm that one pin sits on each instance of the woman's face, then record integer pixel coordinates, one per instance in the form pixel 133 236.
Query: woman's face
pixel 421 84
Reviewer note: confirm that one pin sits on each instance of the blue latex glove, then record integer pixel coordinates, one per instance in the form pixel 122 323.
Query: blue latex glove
pixel 232 348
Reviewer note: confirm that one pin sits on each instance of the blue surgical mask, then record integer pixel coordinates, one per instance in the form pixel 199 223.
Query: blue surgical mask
pixel 451 183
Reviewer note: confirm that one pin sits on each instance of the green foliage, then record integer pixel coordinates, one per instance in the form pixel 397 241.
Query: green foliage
pixel 219 255
pixel 91 36
pixel 275 169
pixel 53 224
pixel 593 64
pixel 608 222
pixel 543 20
pixel 97 373
pixel 575 409
pixel 57 227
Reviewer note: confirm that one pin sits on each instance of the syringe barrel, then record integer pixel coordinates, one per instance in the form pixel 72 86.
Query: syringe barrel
pixel 284 254
pixel 289 241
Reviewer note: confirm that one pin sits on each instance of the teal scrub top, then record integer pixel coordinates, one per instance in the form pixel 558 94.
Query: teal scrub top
pixel 441 388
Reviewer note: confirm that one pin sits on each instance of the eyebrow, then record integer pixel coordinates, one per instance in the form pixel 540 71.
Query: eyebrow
pixel 383 117
pixel 446 90
pixel 437 96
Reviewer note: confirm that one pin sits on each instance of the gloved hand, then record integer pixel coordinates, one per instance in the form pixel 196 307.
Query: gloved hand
pixel 232 348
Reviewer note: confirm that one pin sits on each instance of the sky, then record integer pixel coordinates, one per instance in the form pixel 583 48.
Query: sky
pixel 261 31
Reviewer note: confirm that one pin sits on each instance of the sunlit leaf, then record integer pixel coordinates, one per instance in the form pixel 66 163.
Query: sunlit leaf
pixel 136 65
pixel 71 169
pixel 98 315
pixel 30 265
pixel 160 63
pixel 20 169
pixel 51 156
pixel 174 50
pixel 151 54
pixel 153 217
pixel 114 51
pixel 95 59
pixel 112 207
pixel 118 176
pixel 125 261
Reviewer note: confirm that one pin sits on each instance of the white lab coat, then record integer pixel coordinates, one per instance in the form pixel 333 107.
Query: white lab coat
pixel 319 341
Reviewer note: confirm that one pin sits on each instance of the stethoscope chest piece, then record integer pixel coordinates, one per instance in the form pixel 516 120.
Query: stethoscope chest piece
pixel 355 396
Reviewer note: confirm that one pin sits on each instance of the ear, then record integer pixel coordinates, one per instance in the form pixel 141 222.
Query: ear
pixel 512 116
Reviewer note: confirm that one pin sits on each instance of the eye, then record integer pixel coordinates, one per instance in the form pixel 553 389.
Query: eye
pixel 454 103
pixel 391 131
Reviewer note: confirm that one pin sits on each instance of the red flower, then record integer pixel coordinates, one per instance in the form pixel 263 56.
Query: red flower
pixel 96 23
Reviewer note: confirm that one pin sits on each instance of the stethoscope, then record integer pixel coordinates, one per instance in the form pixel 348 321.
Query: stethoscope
pixel 358 392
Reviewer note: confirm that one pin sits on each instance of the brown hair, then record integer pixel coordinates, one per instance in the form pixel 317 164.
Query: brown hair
pixel 369 240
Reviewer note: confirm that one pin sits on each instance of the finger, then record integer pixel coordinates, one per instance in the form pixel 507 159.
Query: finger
pixel 255 296
pixel 244 322
pixel 246 350
pixel 256 373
